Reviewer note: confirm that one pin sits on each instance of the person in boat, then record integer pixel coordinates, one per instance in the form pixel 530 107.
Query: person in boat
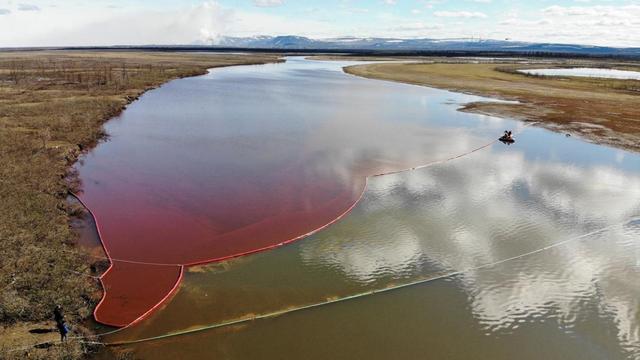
pixel 507 136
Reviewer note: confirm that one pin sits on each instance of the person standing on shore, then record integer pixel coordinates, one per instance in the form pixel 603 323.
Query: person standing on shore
pixel 58 316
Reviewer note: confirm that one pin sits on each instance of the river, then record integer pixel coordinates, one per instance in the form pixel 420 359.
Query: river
pixel 526 251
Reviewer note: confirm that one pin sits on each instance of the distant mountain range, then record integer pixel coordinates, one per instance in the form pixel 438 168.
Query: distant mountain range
pixel 291 42
pixel 374 46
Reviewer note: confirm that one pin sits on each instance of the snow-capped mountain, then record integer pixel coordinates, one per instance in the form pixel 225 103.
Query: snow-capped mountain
pixel 290 42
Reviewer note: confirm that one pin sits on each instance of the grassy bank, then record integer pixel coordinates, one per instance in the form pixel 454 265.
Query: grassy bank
pixel 52 107
pixel 600 110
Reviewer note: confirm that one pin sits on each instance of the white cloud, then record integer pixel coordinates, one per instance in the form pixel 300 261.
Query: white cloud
pixel 522 22
pixel 100 25
pixel 357 10
pixel 96 23
pixel 416 26
pixel 596 25
pixel 28 7
pixel 460 14
pixel 625 11
pixel 268 3
pixel 571 11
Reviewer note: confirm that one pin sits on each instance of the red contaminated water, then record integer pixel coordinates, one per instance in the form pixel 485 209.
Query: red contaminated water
pixel 155 238
pixel 238 161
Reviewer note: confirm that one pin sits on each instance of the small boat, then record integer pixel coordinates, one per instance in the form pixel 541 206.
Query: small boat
pixel 506 139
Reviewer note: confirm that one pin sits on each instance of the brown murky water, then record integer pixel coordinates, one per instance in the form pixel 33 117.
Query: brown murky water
pixel 575 298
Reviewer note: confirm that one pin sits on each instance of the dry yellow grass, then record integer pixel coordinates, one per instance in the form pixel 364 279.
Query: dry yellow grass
pixel 52 107
pixel 601 110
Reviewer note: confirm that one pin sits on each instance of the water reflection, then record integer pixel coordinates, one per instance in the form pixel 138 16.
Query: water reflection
pixel 461 215
pixel 476 206
pixel 497 205
pixel 578 299
pixel 247 158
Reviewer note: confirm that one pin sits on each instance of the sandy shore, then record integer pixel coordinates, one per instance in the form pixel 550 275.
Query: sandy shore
pixel 604 111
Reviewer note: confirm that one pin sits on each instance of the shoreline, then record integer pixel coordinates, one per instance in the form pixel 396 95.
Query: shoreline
pixel 568 114
pixel 71 152
pixel 48 96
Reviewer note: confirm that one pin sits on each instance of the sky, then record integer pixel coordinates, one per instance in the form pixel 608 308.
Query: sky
pixel 165 22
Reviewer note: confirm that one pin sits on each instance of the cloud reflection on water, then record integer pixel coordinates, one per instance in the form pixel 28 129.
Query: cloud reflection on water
pixel 494 205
